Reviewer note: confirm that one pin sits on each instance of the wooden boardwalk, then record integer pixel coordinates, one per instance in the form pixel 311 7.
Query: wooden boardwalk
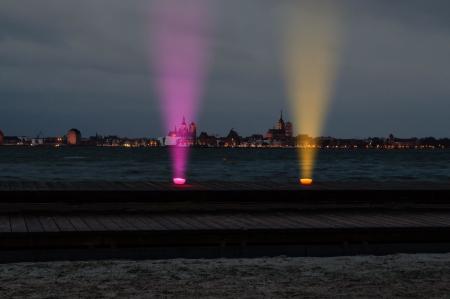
pixel 30 224
pixel 40 221
pixel 35 237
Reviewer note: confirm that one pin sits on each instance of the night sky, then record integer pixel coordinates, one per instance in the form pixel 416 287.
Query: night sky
pixel 86 64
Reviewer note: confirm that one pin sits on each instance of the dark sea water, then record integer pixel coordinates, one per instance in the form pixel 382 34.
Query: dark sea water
pixel 277 165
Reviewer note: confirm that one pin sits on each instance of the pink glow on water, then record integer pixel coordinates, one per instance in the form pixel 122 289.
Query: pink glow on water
pixel 179 160
pixel 179 51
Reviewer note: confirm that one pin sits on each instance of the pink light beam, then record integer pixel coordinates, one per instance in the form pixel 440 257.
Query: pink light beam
pixel 180 53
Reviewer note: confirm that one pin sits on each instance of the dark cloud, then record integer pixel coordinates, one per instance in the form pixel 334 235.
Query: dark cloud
pixel 86 64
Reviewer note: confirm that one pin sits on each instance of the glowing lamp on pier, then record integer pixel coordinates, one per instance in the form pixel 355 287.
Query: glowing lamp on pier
pixel 306 182
pixel 179 181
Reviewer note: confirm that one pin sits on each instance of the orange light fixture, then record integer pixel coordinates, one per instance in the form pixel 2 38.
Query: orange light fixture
pixel 306 182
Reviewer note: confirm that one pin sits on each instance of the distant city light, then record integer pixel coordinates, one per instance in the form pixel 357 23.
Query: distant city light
pixel 306 182
pixel 179 181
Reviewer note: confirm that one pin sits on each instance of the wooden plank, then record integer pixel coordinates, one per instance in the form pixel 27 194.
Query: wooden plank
pixel 434 221
pixel 295 219
pixel 369 221
pixel 151 223
pixel 291 217
pixel 222 221
pixel 308 220
pixel 123 226
pixel 78 224
pixel 333 222
pixel 126 222
pixel 229 221
pixel 247 223
pixel 195 223
pixel 415 221
pixel 93 223
pixel 185 222
pixel 352 220
pixel 321 222
pixel 393 221
pixel 442 218
pixel 378 220
pixel 33 224
pixel 431 221
pixel 341 222
pixel 5 225
pixel 174 219
pixel 18 224
pixel 108 223
pixel 167 222
pixel 235 222
pixel 268 221
pixel 138 223
pixel 284 222
pixel 64 224
pixel 48 224
pixel 213 221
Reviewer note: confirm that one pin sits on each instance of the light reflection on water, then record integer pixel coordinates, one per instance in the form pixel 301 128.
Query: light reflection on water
pixel 277 165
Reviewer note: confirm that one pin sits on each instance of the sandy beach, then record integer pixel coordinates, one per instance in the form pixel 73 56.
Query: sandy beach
pixel 401 276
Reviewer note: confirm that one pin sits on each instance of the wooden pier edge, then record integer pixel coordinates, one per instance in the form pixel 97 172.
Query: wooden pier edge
pixel 76 221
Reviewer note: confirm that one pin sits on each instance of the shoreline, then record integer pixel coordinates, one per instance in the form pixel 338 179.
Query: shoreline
pixel 228 147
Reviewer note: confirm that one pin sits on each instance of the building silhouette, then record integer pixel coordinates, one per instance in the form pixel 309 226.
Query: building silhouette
pixel 2 137
pixel 281 133
pixel 73 137
pixel 233 139
pixel 206 140
pixel 184 135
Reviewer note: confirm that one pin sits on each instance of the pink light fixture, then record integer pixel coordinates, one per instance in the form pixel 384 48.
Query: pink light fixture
pixel 180 53
pixel 179 181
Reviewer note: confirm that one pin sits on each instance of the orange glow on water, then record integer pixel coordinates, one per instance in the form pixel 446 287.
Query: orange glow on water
pixel 306 158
